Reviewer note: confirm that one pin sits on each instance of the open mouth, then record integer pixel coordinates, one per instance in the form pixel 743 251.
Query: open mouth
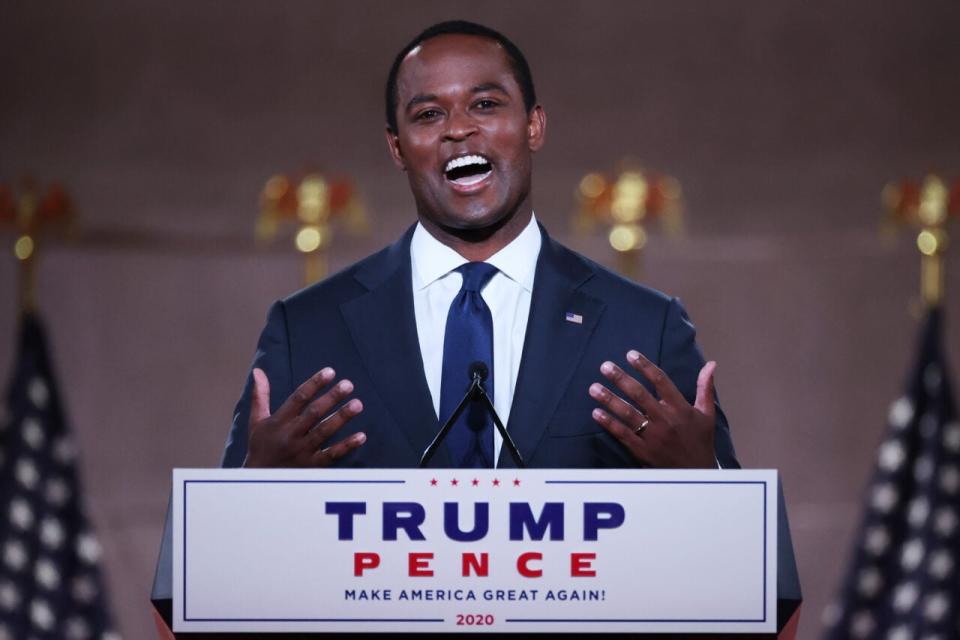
pixel 466 171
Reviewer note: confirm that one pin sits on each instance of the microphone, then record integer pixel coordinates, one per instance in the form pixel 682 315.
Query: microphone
pixel 477 373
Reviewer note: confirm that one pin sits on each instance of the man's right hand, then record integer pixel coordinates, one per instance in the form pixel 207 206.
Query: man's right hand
pixel 295 435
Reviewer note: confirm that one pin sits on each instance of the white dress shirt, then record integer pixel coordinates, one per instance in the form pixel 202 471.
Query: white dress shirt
pixel 436 284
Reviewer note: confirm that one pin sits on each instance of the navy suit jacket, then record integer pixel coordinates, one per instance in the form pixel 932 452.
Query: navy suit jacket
pixel 361 322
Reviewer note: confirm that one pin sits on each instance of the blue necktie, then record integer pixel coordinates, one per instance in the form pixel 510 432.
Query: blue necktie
pixel 468 339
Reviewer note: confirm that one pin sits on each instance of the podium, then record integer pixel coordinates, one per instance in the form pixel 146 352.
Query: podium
pixel 309 553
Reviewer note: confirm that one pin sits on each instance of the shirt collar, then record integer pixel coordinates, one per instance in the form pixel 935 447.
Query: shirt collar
pixel 431 259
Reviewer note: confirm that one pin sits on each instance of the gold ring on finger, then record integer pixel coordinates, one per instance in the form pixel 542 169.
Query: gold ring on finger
pixel 643 427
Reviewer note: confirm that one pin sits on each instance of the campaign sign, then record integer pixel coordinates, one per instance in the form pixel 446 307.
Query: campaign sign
pixel 494 550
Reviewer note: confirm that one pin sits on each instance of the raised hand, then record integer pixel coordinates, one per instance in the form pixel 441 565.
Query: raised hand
pixel 668 432
pixel 295 435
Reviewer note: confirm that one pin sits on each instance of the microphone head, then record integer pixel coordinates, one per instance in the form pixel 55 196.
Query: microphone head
pixel 478 368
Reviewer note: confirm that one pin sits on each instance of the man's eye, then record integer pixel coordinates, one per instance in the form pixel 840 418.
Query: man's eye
pixel 427 114
pixel 486 104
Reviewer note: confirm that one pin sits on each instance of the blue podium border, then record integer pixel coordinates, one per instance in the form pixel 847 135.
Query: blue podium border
pixel 762 483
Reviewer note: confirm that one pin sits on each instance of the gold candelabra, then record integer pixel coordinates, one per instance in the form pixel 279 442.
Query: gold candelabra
pixel 310 203
pixel 625 204
pixel 30 212
pixel 927 204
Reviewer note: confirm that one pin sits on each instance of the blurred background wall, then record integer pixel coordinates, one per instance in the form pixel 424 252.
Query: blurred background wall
pixel 782 119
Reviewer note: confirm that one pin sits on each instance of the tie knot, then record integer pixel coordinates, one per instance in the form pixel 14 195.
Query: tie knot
pixel 476 275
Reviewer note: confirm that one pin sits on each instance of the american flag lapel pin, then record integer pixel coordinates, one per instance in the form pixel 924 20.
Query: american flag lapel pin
pixel 575 318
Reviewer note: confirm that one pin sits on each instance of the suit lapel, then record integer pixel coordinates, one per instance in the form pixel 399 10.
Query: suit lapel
pixel 383 327
pixel 553 346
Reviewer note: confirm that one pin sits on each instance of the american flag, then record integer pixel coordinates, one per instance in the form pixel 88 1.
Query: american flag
pixel 902 583
pixel 50 581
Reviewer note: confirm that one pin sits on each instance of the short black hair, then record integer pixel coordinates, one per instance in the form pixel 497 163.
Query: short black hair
pixel 518 63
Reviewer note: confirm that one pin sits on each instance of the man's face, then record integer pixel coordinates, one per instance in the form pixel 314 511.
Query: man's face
pixel 463 134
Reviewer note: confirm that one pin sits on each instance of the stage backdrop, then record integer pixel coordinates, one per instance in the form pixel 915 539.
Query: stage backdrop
pixel 783 120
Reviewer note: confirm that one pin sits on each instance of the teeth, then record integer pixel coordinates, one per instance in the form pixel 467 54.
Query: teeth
pixel 464 161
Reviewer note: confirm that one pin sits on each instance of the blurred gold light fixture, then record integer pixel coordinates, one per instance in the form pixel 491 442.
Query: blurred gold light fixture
pixel 624 204
pixel 30 211
pixel 929 204
pixel 310 204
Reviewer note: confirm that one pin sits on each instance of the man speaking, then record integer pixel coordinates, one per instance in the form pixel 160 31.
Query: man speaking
pixel 585 368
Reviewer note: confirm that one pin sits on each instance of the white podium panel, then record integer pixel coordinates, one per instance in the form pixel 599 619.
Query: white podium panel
pixel 497 550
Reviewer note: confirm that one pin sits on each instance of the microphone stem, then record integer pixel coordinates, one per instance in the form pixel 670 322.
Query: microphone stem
pixel 476 392
pixel 507 440
pixel 438 440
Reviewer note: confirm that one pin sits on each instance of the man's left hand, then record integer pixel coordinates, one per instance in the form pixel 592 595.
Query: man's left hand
pixel 668 432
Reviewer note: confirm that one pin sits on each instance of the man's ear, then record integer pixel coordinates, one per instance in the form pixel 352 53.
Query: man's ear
pixel 393 144
pixel 536 128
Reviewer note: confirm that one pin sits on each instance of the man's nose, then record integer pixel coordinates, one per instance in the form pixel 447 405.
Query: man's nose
pixel 460 126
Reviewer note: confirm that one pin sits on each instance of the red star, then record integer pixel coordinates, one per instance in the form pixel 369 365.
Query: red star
pixel 516 482
pixel 454 482
pixel 475 482
pixel 433 482
pixel 496 482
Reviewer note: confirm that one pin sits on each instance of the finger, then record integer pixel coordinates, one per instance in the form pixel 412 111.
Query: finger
pixel 623 410
pixel 332 423
pixel 622 433
pixel 293 405
pixel 706 398
pixel 333 453
pixel 667 391
pixel 260 400
pixel 632 388
pixel 319 409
